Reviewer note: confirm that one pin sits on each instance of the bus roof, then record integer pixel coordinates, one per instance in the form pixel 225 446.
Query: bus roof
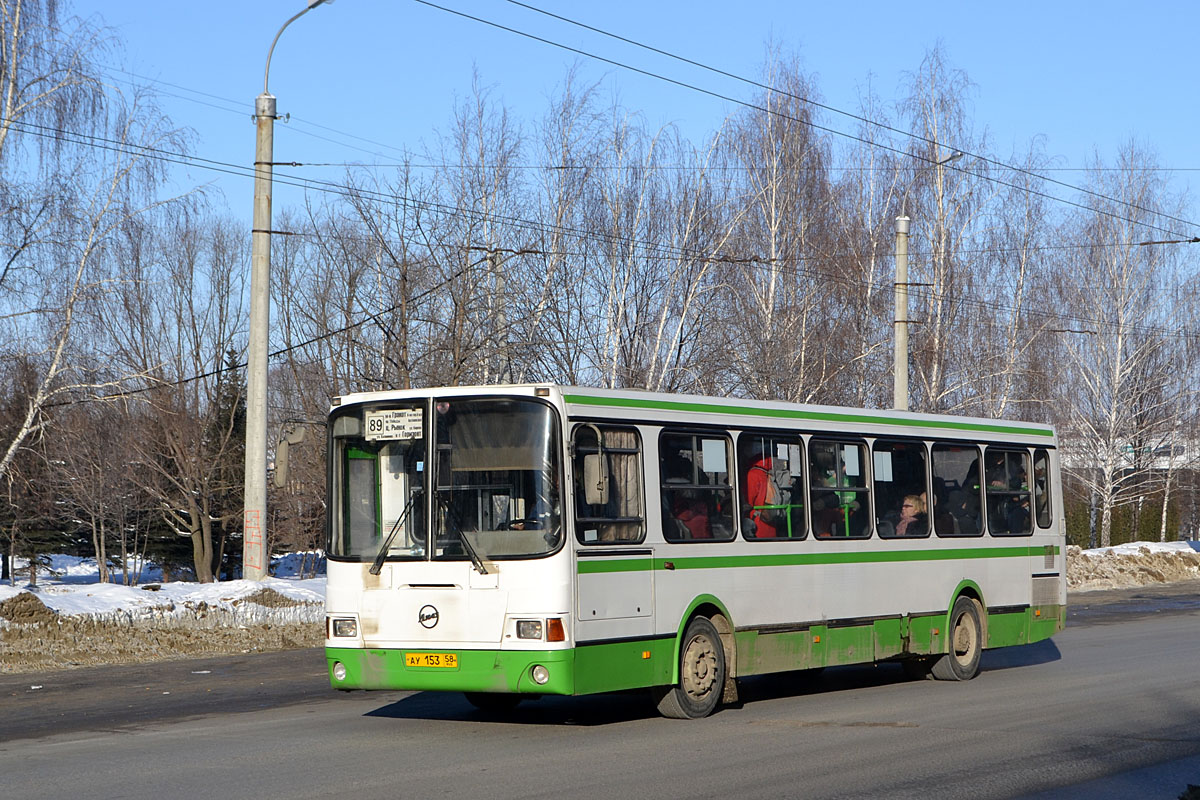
pixel 642 405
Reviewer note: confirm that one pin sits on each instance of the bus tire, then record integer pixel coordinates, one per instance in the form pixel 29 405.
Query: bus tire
pixel 961 663
pixel 493 702
pixel 701 674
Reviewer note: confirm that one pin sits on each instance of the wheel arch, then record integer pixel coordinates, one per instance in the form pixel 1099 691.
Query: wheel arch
pixel 969 589
pixel 707 605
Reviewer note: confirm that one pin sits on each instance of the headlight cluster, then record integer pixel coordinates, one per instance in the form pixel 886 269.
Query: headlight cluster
pixel 553 629
pixel 344 627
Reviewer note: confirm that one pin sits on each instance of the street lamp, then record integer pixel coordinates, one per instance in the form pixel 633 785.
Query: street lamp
pixel 900 323
pixel 254 515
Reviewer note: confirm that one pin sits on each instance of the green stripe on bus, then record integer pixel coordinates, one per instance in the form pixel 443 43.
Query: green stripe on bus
pixel 786 413
pixel 804 559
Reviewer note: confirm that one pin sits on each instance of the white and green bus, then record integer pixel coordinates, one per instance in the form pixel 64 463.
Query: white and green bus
pixel 512 541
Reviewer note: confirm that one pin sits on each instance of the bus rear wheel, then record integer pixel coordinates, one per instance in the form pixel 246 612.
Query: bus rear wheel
pixel 966 644
pixel 701 674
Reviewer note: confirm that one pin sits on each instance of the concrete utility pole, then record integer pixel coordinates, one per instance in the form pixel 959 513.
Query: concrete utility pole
pixel 254 515
pixel 900 370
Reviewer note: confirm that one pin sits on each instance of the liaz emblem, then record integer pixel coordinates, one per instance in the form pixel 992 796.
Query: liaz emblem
pixel 428 616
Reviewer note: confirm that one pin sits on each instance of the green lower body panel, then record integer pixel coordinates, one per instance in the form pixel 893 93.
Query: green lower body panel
pixel 623 665
pixel 761 652
pixel 506 671
pixel 1025 627
pixel 610 667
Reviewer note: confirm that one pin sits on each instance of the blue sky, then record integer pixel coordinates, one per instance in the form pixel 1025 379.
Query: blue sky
pixel 1085 76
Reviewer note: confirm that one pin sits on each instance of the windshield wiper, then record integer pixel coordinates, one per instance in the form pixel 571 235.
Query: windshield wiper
pixel 476 561
pixel 387 543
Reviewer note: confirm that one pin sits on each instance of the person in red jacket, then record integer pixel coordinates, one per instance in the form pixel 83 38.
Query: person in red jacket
pixel 761 492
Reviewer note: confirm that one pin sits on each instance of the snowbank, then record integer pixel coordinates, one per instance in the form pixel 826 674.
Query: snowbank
pixel 1135 564
pixel 70 619
pixel 273 601
pixel 71 589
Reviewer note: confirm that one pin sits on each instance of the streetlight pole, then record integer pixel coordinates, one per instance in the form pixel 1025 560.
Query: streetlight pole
pixel 900 367
pixel 254 515
pixel 900 326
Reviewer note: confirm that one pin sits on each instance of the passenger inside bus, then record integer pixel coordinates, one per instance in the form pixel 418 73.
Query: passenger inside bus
pixel 763 496
pixel 943 521
pixel 1018 515
pixel 964 509
pixel 900 488
pixel 913 520
pixel 835 491
pixel 685 512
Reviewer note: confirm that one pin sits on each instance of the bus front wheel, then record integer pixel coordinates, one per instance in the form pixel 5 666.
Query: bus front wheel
pixel 961 663
pixel 701 674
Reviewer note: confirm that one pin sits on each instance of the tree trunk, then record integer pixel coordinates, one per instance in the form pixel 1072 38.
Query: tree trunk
pixel 1106 523
pixel 202 552
pixel 1162 521
pixel 1092 508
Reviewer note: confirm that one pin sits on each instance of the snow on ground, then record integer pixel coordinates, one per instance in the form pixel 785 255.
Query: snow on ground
pixel 1134 564
pixel 70 587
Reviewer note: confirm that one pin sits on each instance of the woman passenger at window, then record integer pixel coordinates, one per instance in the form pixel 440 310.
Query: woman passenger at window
pixel 913 519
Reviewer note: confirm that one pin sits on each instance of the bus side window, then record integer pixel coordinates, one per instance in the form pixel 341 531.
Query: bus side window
pixel 621 519
pixel 840 503
pixel 903 506
pixel 1006 485
pixel 1041 487
pixel 771 473
pixel 956 476
pixel 697 498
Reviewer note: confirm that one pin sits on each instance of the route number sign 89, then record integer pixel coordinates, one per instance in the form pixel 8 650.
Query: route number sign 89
pixel 393 423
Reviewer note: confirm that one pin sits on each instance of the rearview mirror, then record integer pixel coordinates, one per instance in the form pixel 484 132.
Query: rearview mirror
pixel 281 464
pixel 281 456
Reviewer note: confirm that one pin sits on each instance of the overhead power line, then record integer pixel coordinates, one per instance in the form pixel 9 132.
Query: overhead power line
pixel 425 165
pixel 767 110
pixel 536 227
pixel 757 84
pixel 835 110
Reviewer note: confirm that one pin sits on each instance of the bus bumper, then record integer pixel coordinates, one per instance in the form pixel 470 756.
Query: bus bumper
pixel 501 671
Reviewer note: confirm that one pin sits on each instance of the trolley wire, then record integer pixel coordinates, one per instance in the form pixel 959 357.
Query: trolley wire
pixel 930 161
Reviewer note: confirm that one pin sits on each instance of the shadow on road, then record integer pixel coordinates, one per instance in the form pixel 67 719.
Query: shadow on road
pixel 1026 655
pixel 602 709
pixel 631 706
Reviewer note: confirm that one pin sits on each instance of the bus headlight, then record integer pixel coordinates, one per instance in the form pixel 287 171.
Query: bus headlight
pixel 529 629
pixel 345 628
pixel 339 671
pixel 540 674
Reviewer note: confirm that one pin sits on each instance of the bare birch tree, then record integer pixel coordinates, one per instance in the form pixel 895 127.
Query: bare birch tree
pixel 1118 396
pixel 946 201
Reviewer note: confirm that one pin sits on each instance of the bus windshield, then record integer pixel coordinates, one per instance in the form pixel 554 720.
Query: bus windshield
pixel 378 479
pixel 498 487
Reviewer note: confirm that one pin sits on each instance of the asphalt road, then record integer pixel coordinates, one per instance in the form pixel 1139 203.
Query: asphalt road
pixel 1107 709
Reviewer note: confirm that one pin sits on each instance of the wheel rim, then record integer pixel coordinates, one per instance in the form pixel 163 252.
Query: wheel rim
pixel 965 641
pixel 699 667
